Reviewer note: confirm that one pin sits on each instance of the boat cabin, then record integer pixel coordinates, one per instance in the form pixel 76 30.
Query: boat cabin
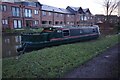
pixel 56 33
pixel 55 36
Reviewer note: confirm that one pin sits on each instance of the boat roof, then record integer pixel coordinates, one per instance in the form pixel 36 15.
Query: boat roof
pixel 71 27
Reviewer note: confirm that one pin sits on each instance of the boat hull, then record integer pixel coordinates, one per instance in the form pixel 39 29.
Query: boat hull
pixel 31 46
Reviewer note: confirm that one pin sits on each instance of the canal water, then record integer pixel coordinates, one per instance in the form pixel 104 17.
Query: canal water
pixel 10 43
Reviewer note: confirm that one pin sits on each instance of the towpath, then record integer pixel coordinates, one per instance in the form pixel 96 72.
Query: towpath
pixel 105 65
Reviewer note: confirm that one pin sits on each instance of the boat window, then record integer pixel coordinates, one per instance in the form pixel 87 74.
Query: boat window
pixel 49 29
pixel 93 30
pixel 59 31
pixel 81 31
pixel 66 33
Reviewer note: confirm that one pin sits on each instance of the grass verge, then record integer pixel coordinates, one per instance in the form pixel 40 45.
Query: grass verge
pixel 54 62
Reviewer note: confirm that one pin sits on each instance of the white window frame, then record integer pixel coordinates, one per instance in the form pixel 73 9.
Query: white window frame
pixel 28 13
pixel 4 8
pixel 61 15
pixel 49 13
pixel 36 12
pixel 17 24
pixel 36 22
pixel 68 15
pixel 4 21
pixel 16 11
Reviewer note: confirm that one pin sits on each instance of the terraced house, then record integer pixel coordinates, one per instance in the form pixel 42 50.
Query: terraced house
pixel 56 16
pixel 17 15
pixel 100 18
pixel 82 16
pixel 20 14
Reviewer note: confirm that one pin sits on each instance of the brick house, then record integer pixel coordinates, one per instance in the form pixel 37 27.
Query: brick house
pixel 77 11
pixel 82 16
pixel 56 16
pixel 20 14
pixel 100 18
pixel 16 15
pixel 88 17
pixel 52 15
pixel 113 19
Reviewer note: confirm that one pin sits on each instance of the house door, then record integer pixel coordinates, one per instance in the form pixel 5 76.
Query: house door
pixel 28 23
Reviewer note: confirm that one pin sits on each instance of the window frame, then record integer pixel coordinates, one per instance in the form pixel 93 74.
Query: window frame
pixel 3 7
pixel 4 21
pixel 36 12
pixel 28 12
pixel 36 22
pixel 16 11
pixel 44 13
pixel 68 34
pixel 49 13
pixel 17 25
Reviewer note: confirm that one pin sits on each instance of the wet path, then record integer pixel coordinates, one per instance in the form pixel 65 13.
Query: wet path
pixel 106 65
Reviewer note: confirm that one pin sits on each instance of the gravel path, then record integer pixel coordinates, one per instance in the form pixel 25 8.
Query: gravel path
pixel 103 66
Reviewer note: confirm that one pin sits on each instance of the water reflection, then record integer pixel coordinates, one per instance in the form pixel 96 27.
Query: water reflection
pixel 9 45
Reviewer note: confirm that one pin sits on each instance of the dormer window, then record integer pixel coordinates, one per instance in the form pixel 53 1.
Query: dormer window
pixel 31 4
pixel 44 13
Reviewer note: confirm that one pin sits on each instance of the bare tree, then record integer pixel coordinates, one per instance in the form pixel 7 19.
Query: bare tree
pixel 110 6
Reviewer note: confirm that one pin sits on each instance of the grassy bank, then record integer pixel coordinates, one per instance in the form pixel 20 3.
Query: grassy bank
pixel 55 61
pixel 23 30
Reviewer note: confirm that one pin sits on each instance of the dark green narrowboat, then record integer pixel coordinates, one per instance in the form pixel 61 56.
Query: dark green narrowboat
pixel 51 36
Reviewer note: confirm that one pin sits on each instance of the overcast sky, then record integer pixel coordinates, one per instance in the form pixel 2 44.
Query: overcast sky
pixel 95 6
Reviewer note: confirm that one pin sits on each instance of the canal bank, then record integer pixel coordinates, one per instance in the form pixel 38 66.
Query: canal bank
pixel 56 61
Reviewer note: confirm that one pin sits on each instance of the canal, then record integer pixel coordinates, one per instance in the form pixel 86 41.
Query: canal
pixel 10 43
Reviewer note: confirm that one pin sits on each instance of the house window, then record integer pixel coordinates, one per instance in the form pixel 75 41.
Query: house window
pixel 28 13
pixel 72 22
pixel 66 33
pixel 68 22
pixel 49 14
pixel 85 18
pixel 57 14
pixel 56 22
pixel 31 4
pixel 0 7
pixel 68 15
pixel 44 22
pixel 61 15
pixel 72 16
pixel 92 18
pixel 50 22
pixel 61 22
pixel 17 24
pixel 82 17
pixel 4 21
pixel 15 11
pixel 3 8
pixel 36 22
pixel 35 11
pixel 44 13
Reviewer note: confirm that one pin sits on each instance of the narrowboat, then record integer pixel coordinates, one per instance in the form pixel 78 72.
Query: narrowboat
pixel 51 36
